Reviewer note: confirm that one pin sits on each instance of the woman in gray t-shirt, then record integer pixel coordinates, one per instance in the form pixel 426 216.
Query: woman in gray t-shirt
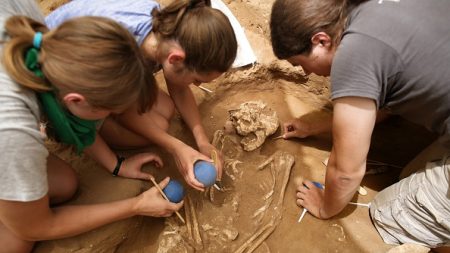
pixel 379 56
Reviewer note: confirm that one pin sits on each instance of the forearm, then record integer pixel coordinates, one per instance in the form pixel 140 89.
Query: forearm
pixel 35 221
pixel 341 185
pixel 102 154
pixel 353 122
pixel 185 102
pixel 200 135
pixel 73 220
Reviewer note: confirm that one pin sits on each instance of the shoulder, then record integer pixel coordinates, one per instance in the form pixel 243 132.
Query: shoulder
pixel 362 66
pixel 363 54
pixel 134 15
pixel 22 151
pixel 20 108
pixel 105 8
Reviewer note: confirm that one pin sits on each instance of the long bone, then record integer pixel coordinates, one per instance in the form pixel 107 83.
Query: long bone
pixel 264 232
pixel 192 224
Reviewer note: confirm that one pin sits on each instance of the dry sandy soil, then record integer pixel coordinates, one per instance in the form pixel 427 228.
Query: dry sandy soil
pixel 254 200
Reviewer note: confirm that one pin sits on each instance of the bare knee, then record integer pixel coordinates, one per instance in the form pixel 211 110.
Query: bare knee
pixel 67 190
pixel 171 111
pixel 161 121
pixel 119 136
pixel 17 247
pixel 62 180
pixel 10 243
pixel 164 106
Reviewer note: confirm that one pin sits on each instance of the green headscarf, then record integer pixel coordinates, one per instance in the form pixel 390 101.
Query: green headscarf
pixel 68 128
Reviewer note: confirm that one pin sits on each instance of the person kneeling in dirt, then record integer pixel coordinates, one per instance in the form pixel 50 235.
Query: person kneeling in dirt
pixel 192 43
pixel 390 55
pixel 77 74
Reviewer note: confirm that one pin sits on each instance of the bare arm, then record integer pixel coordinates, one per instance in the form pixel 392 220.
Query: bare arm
pixel 130 167
pixel 185 102
pixel 101 153
pixel 184 155
pixel 353 123
pixel 36 221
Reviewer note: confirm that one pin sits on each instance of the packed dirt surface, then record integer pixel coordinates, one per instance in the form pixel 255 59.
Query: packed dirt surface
pixel 256 211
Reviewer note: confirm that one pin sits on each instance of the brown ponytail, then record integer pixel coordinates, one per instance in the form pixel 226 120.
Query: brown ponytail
pixel 294 22
pixel 204 33
pixel 92 56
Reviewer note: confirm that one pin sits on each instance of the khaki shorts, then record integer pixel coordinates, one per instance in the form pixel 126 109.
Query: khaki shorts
pixel 416 209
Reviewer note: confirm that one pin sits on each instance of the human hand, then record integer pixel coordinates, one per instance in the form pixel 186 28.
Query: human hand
pixel 131 167
pixel 296 128
pixel 310 197
pixel 207 149
pixel 152 203
pixel 185 157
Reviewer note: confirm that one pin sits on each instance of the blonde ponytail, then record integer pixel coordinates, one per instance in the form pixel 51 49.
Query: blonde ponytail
pixel 21 30
pixel 92 56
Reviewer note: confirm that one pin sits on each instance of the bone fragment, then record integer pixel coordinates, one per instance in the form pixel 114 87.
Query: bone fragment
pixel 268 195
pixel 261 239
pixel 362 191
pixel 250 240
pixel 255 121
pixel 231 234
pixel 211 194
pixel 265 163
pixel 260 210
pixel 218 138
pixel 187 214
pixel 283 163
pixel 193 227
pixel 290 162
pixel 207 227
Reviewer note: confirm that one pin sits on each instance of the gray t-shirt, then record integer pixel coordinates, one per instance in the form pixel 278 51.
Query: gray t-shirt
pixel 23 156
pixel 397 52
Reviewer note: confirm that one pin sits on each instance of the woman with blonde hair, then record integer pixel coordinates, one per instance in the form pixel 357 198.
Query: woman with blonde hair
pixel 73 76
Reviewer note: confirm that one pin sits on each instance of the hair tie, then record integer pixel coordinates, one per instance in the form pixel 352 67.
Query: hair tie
pixel 191 4
pixel 195 3
pixel 37 40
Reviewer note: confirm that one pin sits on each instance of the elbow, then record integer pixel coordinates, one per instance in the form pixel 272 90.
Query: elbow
pixel 29 235
pixel 34 234
pixel 348 177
